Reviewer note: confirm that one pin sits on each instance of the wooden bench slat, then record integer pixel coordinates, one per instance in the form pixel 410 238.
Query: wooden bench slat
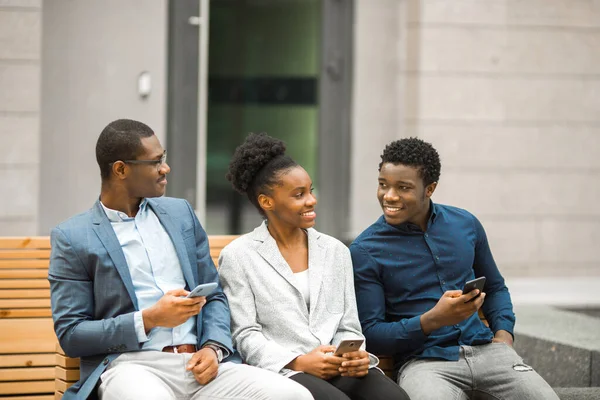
pixel 24 293
pixel 35 264
pixel 27 374
pixel 66 362
pixel 220 241
pixel 34 397
pixel 27 387
pixel 62 386
pixel 28 242
pixel 28 360
pixel 24 303
pixel 23 273
pixel 24 254
pixel 67 375
pixel 25 313
pixel 27 335
pixel 24 284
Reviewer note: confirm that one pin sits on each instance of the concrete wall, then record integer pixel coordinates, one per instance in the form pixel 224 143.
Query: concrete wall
pixel 509 93
pixel 20 33
pixel 93 53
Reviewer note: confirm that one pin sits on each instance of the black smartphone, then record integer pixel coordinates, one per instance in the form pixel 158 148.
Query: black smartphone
pixel 478 283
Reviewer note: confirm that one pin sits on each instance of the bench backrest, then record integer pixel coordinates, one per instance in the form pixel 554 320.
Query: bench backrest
pixel 27 338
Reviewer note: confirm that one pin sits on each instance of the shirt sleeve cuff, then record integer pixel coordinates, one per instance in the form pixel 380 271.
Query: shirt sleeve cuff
pixel 226 352
pixel 413 328
pixel 504 326
pixel 373 360
pixel 140 330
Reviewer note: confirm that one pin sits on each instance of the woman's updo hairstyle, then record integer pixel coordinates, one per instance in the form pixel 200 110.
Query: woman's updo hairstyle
pixel 256 166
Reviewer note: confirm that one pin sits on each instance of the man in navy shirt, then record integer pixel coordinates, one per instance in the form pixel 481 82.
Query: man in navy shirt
pixel 410 267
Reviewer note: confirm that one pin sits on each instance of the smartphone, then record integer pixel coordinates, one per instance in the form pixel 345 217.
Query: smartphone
pixel 347 346
pixel 204 289
pixel 478 283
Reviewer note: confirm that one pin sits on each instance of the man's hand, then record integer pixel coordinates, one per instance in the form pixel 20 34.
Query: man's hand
pixel 172 310
pixel 451 309
pixel 204 365
pixel 356 364
pixel 503 337
pixel 318 363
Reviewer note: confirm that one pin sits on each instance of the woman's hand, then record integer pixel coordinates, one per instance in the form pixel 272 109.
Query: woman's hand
pixel 318 363
pixel 356 364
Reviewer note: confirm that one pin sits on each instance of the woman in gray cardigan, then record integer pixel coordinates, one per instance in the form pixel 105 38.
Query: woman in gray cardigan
pixel 290 288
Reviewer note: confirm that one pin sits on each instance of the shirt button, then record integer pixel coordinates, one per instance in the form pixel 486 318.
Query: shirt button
pixel 443 282
pixel 437 258
pixel 105 361
pixel 426 235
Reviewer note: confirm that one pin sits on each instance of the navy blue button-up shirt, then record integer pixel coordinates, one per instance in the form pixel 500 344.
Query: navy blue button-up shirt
pixel 401 272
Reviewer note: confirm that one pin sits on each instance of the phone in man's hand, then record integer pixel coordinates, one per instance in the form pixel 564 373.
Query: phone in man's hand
pixel 204 289
pixel 478 283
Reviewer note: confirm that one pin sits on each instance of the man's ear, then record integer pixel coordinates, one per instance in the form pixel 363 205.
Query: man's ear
pixel 120 170
pixel 265 202
pixel 429 189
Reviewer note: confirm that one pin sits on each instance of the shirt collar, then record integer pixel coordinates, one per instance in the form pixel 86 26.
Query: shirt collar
pixel 434 212
pixel 119 216
pixel 409 227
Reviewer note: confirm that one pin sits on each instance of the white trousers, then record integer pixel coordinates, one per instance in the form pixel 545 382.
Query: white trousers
pixel 156 375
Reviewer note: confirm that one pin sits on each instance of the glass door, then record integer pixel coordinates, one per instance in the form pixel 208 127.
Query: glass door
pixel 263 74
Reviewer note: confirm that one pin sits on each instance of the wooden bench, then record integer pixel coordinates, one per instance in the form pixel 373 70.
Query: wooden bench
pixel 67 369
pixel 32 364
pixel 27 339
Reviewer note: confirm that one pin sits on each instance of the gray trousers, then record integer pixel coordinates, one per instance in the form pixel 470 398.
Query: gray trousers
pixel 491 371
pixel 156 375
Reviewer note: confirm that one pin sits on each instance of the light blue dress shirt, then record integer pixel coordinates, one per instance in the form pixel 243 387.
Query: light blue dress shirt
pixel 155 269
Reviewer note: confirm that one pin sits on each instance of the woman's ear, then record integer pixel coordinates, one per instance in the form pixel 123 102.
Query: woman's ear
pixel 265 202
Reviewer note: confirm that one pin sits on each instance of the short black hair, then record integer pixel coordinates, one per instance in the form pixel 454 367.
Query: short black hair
pixel 415 153
pixel 120 140
pixel 256 166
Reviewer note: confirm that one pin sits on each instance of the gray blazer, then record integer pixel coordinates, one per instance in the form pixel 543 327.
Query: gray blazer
pixel 270 322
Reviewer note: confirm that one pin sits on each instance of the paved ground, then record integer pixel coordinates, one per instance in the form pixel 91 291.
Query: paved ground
pixel 577 293
pixel 592 312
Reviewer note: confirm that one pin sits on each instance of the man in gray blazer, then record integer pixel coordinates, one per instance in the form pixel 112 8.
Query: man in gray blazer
pixel 119 274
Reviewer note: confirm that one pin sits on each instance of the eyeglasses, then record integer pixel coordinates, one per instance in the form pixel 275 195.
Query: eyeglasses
pixel 158 163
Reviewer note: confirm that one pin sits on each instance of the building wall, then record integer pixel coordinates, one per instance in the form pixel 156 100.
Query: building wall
pixel 20 33
pixel 93 54
pixel 509 93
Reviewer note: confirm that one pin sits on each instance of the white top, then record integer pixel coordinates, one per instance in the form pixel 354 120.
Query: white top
pixel 302 284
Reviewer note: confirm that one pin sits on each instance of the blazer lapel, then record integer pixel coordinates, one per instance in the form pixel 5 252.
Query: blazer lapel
pixel 269 251
pixel 109 239
pixel 316 255
pixel 175 235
